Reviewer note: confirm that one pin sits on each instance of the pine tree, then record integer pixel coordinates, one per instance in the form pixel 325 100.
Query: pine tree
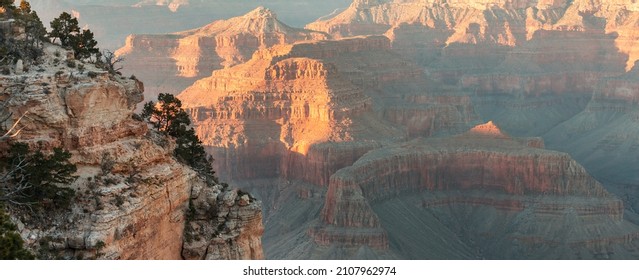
pixel 64 27
pixel 84 45
pixel 11 244
pixel 34 177
pixel 169 118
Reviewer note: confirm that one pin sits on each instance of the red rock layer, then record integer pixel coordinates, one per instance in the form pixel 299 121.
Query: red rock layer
pixel 305 110
pixel 171 62
pixel 464 168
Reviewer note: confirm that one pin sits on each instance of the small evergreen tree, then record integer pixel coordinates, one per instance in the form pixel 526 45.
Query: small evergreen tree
pixel 11 244
pixel 29 48
pixel 33 178
pixel 83 45
pixel 32 24
pixel 169 118
pixel 66 28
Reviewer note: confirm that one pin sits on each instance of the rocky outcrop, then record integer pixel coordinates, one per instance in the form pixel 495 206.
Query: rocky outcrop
pixel 184 57
pixel 312 108
pixel 482 169
pixel 236 230
pixel 132 196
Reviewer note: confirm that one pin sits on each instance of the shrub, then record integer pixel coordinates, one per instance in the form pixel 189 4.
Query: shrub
pixel 67 30
pixel 11 244
pixel 106 163
pixel 169 118
pixel 33 177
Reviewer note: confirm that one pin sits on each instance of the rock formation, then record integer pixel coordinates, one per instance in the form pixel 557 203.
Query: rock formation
pixel 532 66
pixel 512 53
pixel 349 141
pixel 132 196
pixel 483 194
pixel 307 109
pixel 171 62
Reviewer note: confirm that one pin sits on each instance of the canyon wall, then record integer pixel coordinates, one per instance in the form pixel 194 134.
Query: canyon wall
pixel 557 69
pixel 172 62
pixel 506 52
pixel 307 109
pixel 477 172
pixel 136 208
pixel 603 137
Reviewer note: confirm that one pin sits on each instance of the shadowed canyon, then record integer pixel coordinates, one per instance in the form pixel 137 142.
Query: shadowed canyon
pixel 388 129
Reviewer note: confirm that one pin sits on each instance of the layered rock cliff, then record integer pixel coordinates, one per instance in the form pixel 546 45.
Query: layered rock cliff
pixel 510 52
pixel 307 109
pixel 483 194
pixel 171 62
pixel 132 196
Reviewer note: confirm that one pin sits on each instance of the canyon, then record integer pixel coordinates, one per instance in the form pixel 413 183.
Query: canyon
pixel 172 62
pixel 113 21
pixel 407 82
pixel 391 129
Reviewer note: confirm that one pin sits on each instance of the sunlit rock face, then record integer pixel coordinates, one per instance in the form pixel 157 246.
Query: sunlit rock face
pixel 171 62
pixel 556 69
pixel 308 109
pixel 535 47
pixel 137 208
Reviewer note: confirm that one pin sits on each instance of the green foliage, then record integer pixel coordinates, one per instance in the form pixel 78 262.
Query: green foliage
pixel 27 48
pixel 11 244
pixel 84 45
pixel 33 25
pixel 66 28
pixel 169 118
pixel 34 177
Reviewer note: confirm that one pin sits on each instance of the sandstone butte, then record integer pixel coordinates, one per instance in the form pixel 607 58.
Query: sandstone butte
pixel 528 65
pixel 172 62
pixel 474 195
pixel 139 210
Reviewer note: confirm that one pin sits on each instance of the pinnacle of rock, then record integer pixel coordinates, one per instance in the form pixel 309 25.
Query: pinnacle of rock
pixel 488 129
pixel 260 12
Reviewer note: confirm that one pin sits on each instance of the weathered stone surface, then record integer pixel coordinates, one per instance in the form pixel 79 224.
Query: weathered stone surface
pixel 605 131
pixel 307 109
pixel 563 39
pixel 135 210
pixel 171 62
pixel 480 169
pixel 230 228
